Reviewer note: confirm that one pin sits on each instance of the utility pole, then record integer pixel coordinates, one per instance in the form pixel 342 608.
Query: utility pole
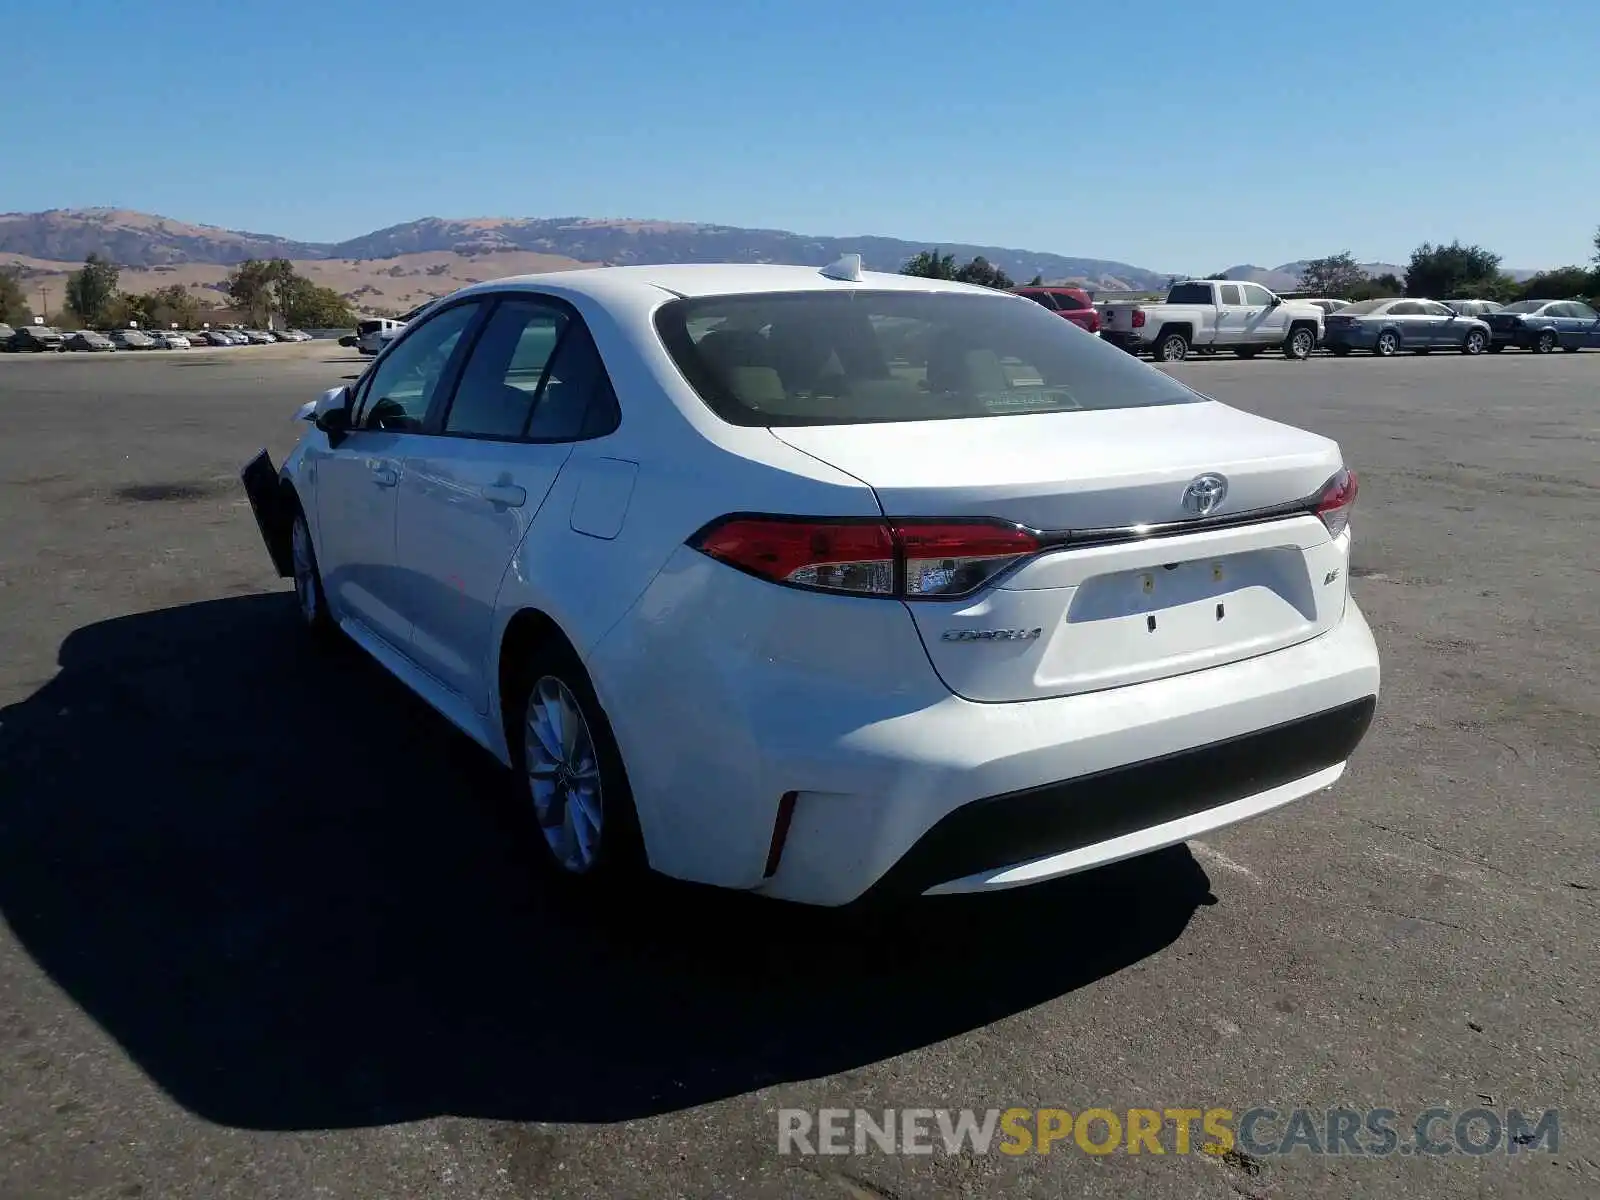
pixel 44 295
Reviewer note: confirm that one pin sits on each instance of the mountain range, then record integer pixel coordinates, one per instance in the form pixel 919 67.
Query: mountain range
pixel 404 265
pixel 140 240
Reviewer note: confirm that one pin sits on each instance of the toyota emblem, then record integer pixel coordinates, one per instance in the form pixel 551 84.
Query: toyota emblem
pixel 1204 493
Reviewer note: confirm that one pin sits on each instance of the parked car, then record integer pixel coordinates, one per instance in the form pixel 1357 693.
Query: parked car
pixel 216 337
pixel 236 337
pixel 170 339
pixel 1473 308
pixel 131 339
pixel 1072 303
pixel 1386 327
pixel 258 337
pixel 34 339
pixel 299 335
pixel 1542 325
pixel 374 334
pixel 88 341
pixel 6 333
pixel 1215 314
pixel 350 341
pixel 1329 306
pixel 1020 609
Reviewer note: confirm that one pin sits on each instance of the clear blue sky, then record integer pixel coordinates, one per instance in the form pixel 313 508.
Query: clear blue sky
pixel 1178 136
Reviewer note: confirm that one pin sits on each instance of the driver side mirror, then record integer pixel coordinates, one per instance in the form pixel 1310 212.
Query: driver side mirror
pixel 1274 302
pixel 331 413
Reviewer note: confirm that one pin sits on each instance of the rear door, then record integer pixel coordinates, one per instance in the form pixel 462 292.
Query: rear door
pixel 474 483
pixel 1232 315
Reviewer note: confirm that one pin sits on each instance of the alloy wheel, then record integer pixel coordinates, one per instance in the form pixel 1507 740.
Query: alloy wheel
pixel 563 776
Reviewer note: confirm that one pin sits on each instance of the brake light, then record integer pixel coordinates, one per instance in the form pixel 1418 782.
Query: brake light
pixel 1334 502
pixel 911 560
pixel 1138 318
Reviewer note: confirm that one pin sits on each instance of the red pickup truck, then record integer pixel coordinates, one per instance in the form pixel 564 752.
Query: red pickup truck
pixel 1072 303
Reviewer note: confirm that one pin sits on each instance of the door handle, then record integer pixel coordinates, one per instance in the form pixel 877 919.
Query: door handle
pixel 508 494
pixel 385 476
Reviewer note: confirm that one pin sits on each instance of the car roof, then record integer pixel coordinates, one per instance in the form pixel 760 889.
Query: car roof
pixel 717 279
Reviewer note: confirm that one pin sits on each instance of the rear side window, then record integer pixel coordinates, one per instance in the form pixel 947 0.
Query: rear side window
pixel 847 358
pixel 1228 293
pixel 1190 293
pixel 1043 299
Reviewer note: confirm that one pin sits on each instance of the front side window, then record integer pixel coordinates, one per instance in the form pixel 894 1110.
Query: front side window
pixel 846 358
pixel 1406 308
pixel 1583 312
pixel 1256 295
pixel 1043 299
pixel 402 384
pixel 1433 309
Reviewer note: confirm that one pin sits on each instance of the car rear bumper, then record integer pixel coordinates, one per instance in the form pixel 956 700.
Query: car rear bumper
pixel 1349 338
pixel 1132 342
pixel 995 796
pixel 897 787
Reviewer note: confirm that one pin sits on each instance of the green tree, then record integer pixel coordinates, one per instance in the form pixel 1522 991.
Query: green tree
pixel 1563 283
pixel 14 308
pixel 1596 259
pixel 1442 272
pixel 930 264
pixel 173 305
pixel 91 290
pixel 1036 281
pixel 1334 276
pixel 306 304
pixel 1218 275
pixel 985 274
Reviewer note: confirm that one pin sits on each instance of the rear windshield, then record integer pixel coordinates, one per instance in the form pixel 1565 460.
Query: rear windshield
pixel 849 358
pixel 1190 293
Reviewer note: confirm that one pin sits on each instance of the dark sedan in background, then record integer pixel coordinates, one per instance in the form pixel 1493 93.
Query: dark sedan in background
pixel 1542 325
pixel 1386 327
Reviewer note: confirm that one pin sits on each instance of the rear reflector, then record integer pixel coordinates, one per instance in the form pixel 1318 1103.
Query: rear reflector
pixel 911 560
pixel 1334 502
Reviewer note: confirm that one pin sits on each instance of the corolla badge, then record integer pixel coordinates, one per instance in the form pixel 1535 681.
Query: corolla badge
pixel 990 635
pixel 1204 493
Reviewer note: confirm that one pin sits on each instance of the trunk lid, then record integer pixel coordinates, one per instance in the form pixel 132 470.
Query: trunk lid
pixel 1133 609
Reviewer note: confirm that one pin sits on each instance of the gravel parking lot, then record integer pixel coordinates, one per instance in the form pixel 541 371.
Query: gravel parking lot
pixel 264 935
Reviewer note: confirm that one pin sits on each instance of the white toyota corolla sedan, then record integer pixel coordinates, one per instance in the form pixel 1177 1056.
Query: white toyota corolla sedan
pixel 830 585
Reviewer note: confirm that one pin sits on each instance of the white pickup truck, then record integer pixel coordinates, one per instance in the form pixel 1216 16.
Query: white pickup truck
pixel 1212 314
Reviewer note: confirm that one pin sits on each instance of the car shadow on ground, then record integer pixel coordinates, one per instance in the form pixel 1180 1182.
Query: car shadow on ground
pixel 281 883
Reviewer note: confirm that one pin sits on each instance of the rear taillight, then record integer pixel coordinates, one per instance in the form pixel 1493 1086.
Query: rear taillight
pixel 910 560
pixel 1334 502
pixel 1138 318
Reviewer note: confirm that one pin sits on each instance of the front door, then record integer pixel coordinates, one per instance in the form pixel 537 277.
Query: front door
pixel 477 480
pixel 357 481
pixel 1268 323
pixel 1588 325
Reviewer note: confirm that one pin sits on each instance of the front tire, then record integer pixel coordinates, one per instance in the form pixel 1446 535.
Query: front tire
pixel 1387 345
pixel 1546 343
pixel 570 779
pixel 1475 343
pixel 310 600
pixel 1299 344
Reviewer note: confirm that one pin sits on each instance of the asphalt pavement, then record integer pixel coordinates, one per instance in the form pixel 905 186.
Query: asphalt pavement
pixel 266 935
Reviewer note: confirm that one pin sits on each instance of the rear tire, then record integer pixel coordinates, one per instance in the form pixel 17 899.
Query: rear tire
pixel 572 789
pixel 1387 345
pixel 1172 347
